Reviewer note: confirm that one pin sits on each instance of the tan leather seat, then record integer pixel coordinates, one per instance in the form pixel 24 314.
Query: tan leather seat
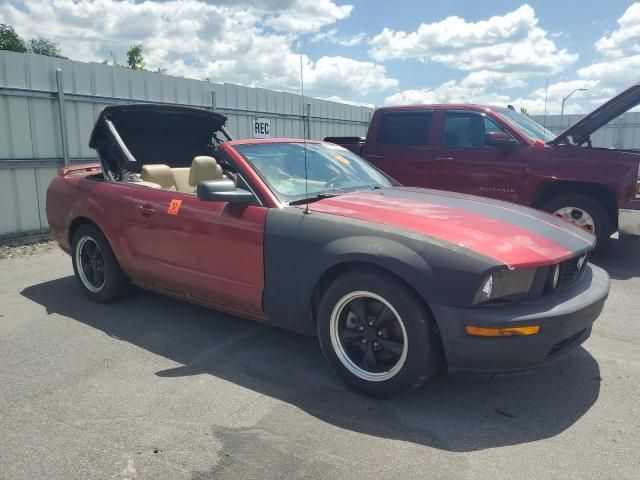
pixel 181 179
pixel 160 174
pixel 204 168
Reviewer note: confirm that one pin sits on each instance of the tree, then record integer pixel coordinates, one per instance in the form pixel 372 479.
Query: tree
pixel 135 60
pixel 44 46
pixel 10 40
pixel 112 60
pixel 524 111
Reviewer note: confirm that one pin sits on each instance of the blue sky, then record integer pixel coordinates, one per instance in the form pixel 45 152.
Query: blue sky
pixel 369 52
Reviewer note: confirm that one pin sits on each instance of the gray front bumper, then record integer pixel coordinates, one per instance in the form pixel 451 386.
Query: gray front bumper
pixel 628 221
pixel 564 318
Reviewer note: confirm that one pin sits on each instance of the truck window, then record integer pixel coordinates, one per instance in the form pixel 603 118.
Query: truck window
pixel 467 130
pixel 407 129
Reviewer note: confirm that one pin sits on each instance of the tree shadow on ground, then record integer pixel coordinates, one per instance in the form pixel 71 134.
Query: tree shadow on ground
pixel 456 414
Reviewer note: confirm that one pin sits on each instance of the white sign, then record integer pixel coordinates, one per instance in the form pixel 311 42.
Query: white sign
pixel 261 127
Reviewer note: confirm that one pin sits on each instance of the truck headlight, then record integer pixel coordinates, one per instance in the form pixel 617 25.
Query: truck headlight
pixel 505 285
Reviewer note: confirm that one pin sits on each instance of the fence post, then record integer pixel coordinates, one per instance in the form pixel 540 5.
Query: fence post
pixel 63 118
pixel 213 99
pixel 309 121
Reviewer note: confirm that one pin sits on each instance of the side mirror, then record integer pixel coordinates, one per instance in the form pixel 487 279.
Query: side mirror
pixel 223 191
pixel 500 140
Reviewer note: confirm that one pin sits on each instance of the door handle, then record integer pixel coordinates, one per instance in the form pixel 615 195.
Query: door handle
pixel 444 159
pixel 146 210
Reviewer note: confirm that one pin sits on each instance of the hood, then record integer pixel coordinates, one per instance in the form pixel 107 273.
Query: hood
pixel 129 136
pixel 511 234
pixel 580 131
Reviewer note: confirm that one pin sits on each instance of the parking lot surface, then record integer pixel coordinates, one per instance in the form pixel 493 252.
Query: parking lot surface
pixel 154 388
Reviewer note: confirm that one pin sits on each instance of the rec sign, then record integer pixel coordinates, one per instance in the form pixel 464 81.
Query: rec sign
pixel 261 127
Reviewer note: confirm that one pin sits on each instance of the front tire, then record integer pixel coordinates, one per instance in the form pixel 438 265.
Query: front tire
pixel 582 210
pixel 377 334
pixel 96 267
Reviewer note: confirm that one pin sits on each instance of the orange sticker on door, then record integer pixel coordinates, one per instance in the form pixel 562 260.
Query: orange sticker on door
pixel 174 207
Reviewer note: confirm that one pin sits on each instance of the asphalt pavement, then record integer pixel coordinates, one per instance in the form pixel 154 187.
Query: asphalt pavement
pixel 154 388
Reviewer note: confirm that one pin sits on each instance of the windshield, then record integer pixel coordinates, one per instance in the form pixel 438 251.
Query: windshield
pixel 330 169
pixel 526 125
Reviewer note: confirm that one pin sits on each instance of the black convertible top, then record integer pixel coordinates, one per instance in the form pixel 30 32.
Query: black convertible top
pixel 129 136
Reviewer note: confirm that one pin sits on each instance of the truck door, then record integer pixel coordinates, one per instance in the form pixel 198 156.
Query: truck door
pixel 464 163
pixel 400 146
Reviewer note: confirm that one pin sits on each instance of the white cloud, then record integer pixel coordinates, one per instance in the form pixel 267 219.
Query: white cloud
pixel 331 36
pixel 508 43
pixel 468 90
pixel 625 37
pixel 249 42
pixel 338 99
pixel 305 16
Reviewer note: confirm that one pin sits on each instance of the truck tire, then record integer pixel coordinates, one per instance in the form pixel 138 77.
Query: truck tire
pixel 582 210
pixel 96 267
pixel 377 334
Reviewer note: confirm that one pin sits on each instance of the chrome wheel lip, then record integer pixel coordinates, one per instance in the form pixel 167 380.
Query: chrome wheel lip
pixel 343 356
pixel 82 243
pixel 565 214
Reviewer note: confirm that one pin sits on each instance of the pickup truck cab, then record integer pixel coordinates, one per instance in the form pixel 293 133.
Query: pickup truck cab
pixel 500 153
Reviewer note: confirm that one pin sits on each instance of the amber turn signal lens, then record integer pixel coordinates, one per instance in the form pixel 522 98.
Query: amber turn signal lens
pixel 501 332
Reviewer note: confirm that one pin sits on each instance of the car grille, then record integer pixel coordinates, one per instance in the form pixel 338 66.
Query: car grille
pixel 569 273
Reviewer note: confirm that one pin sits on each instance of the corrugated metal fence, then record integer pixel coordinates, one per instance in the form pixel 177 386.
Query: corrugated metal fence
pixel 48 107
pixel 622 132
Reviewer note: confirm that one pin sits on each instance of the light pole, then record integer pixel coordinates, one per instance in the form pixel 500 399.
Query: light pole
pixel 565 98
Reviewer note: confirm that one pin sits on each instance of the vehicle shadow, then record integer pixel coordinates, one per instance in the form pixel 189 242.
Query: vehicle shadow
pixel 456 414
pixel 620 258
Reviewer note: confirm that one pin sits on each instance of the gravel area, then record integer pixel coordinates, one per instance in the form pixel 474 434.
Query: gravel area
pixel 26 247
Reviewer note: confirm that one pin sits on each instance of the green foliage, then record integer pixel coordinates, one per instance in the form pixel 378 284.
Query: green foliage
pixel 112 60
pixel 10 40
pixel 44 46
pixel 524 111
pixel 135 60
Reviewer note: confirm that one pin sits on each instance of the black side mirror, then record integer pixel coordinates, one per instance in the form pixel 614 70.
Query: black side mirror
pixel 223 191
pixel 500 140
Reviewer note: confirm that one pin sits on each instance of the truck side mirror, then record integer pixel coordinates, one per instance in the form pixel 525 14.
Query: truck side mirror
pixel 500 140
pixel 223 191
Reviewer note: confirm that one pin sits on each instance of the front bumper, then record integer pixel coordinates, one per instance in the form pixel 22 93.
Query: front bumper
pixel 628 221
pixel 565 321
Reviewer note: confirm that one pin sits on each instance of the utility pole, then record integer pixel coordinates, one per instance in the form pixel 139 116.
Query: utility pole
pixel 565 98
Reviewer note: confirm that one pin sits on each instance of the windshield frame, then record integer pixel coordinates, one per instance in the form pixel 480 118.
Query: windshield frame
pixel 511 117
pixel 312 195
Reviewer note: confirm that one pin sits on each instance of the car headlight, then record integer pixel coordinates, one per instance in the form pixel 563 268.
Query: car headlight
pixel 506 285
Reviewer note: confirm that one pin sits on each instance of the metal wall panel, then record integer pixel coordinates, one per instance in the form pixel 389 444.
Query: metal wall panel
pixel 31 144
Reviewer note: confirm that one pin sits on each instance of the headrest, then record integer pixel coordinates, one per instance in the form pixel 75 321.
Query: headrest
pixel 204 168
pixel 157 173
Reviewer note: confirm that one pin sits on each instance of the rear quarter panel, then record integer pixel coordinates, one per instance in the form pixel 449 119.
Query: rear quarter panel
pixel 101 202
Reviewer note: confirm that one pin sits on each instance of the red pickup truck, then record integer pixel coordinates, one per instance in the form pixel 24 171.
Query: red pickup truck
pixel 498 152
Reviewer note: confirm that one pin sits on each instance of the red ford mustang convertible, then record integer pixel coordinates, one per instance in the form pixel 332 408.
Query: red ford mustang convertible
pixel 309 237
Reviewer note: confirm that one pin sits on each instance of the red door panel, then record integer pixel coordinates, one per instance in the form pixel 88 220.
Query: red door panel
pixel 207 250
pixel 464 164
pixel 401 146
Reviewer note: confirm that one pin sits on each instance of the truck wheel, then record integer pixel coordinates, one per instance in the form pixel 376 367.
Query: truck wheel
pixel 377 334
pixel 96 267
pixel 581 210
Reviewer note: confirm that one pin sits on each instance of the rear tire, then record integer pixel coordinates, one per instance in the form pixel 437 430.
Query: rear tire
pixel 574 206
pixel 377 334
pixel 96 267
